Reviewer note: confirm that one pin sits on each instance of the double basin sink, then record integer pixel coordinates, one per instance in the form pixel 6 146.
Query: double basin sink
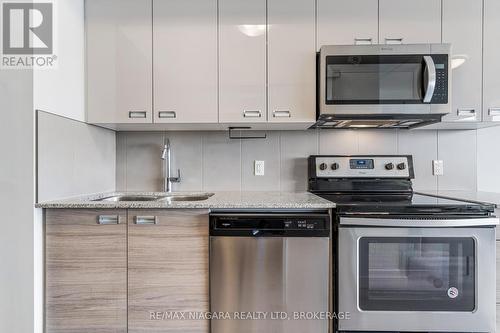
pixel 157 197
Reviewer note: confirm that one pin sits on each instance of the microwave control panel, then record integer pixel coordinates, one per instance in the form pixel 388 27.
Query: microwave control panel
pixel 441 89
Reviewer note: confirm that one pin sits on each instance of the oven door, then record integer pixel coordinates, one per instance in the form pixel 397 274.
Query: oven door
pixel 417 279
pixel 386 79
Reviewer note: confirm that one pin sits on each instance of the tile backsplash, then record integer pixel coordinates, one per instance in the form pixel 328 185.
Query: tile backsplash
pixel 210 161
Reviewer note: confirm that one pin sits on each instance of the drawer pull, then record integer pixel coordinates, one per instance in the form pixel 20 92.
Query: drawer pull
pixel 146 220
pixel 393 41
pixel 108 219
pixel 252 114
pixel 494 112
pixel 167 114
pixel 363 41
pixel 282 114
pixel 466 112
pixel 137 114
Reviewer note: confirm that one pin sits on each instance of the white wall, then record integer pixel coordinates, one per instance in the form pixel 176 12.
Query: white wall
pixel 73 157
pixel 62 90
pixel 16 202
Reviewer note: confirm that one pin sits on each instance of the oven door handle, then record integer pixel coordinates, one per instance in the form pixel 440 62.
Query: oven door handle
pixel 418 223
pixel 429 78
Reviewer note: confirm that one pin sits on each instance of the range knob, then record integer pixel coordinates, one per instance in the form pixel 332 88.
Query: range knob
pixel 401 166
pixel 323 166
pixel 335 166
pixel 389 166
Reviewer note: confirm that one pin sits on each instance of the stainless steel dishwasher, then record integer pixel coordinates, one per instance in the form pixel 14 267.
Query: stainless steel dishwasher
pixel 269 272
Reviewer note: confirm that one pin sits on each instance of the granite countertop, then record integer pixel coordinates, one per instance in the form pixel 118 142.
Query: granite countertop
pixel 220 200
pixel 479 196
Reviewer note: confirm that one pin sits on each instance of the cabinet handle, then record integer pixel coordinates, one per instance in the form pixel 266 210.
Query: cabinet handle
pixel 167 114
pixel 494 112
pixel 252 114
pixel 363 41
pixel 394 40
pixel 282 114
pixel 108 219
pixel 146 220
pixel 466 112
pixel 137 114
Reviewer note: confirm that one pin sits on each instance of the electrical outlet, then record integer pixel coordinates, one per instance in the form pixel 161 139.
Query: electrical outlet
pixel 437 167
pixel 259 168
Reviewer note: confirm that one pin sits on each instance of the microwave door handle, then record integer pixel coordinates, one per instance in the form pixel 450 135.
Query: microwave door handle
pixel 430 78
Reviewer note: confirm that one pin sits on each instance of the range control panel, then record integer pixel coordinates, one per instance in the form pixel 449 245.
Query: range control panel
pixel 362 166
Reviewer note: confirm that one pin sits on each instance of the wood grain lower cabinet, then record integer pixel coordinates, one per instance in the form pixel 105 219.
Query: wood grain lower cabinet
pixel 167 269
pixel 86 271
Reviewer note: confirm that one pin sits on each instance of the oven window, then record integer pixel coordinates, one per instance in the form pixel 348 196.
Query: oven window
pixel 416 274
pixel 374 79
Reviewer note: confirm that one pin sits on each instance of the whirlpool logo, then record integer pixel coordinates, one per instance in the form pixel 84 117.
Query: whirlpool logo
pixel 28 34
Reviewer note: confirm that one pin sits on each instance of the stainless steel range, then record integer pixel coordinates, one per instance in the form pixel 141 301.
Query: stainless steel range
pixel 406 262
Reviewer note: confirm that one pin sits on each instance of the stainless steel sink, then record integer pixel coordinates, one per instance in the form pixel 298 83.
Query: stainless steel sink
pixel 189 197
pixel 117 198
pixel 165 197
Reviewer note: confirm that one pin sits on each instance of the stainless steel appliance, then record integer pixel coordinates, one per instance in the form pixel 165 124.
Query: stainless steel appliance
pixel 406 262
pixel 269 264
pixel 382 86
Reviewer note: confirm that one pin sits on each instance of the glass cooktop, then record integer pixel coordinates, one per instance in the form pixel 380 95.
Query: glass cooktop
pixel 404 203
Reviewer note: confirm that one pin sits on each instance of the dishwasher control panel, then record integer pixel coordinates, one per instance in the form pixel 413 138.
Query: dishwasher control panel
pixel 269 224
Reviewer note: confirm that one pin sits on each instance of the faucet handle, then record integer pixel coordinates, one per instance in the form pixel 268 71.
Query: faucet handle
pixel 176 179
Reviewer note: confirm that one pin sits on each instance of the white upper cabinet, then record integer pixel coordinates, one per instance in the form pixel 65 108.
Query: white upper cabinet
pixel 119 61
pixel 242 61
pixel 291 61
pixel 491 101
pixel 462 27
pixel 185 61
pixel 410 21
pixel 343 22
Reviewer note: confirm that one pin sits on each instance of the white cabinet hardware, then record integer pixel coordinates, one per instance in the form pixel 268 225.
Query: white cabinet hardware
pixel 167 114
pixel 282 114
pixel 252 114
pixel 137 114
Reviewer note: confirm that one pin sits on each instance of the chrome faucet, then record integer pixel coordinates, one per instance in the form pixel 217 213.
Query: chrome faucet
pixel 166 157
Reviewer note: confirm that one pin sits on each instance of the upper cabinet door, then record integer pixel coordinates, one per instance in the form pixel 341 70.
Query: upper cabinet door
pixel 351 22
pixel 491 102
pixel 119 61
pixel 462 27
pixel 410 21
pixel 185 61
pixel 292 61
pixel 242 61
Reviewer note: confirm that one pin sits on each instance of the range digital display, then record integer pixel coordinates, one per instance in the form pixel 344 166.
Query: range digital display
pixel 361 164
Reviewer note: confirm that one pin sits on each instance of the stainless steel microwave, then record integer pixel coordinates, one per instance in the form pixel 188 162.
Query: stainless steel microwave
pixel 383 85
